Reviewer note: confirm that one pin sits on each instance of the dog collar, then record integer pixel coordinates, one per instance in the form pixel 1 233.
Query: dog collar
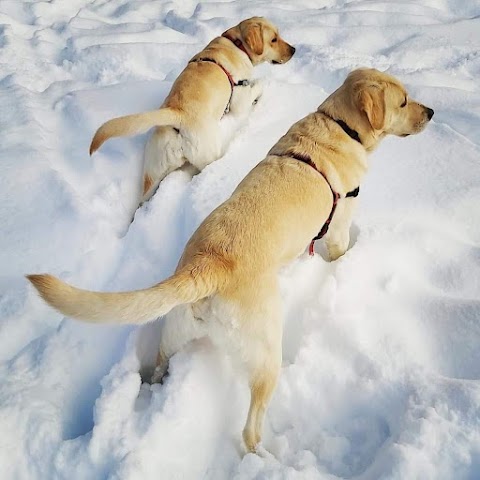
pixel 240 83
pixel 336 196
pixel 238 43
pixel 349 131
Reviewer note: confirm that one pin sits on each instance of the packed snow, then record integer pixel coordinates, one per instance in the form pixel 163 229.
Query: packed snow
pixel 381 371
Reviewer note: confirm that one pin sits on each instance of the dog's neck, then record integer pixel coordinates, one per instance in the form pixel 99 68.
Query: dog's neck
pixel 238 43
pixel 353 134
pixel 351 120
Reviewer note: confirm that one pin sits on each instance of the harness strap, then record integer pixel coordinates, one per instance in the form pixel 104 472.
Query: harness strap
pixel 240 83
pixel 353 193
pixel 336 196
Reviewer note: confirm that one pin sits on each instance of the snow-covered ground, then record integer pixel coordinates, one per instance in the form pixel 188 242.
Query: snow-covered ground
pixel 381 373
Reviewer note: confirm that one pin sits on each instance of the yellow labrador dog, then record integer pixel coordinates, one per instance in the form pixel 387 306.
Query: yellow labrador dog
pixel 226 284
pixel 192 125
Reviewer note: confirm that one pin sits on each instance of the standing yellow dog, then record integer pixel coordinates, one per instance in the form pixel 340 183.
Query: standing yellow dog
pixel 226 284
pixel 192 125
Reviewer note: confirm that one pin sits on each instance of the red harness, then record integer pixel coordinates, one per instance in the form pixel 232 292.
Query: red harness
pixel 336 197
pixel 240 83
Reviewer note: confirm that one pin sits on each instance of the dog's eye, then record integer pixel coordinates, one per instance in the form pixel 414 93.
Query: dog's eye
pixel 274 39
pixel 404 104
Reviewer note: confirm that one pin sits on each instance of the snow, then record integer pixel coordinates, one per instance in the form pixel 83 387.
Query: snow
pixel 381 372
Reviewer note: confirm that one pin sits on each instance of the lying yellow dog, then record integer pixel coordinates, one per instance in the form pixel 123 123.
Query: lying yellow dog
pixel 207 103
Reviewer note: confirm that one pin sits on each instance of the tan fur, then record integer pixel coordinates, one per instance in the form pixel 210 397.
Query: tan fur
pixel 147 183
pixel 372 102
pixel 197 102
pixel 253 37
pixel 134 124
pixel 228 270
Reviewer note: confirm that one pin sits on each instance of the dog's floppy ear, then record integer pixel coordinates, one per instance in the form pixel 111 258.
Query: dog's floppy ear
pixel 252 34
pixel 371 100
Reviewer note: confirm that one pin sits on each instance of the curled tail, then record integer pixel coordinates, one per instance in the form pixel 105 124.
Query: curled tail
pixel 135 307
pixel 135 124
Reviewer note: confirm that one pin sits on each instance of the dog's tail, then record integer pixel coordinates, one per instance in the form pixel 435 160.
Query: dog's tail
pixel 135 124
pixel 135 307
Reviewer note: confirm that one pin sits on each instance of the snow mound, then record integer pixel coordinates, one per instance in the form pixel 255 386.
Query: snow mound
pixel 381 374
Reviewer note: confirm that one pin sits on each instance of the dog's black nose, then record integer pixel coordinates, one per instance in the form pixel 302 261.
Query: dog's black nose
pixel 292 49
pixel 430 113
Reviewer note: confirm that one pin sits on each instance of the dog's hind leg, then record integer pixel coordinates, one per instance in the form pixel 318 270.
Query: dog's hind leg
pixel 263 380
pixel 261 349
pixel 180 328
pixel 161 367
pixel 163 155
pixel 203 145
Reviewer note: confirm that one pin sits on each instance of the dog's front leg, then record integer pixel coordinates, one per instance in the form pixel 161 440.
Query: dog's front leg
pixel 338 236
pixel 244 97
pixel 256 90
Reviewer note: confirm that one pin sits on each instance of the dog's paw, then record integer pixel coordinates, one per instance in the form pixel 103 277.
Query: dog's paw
pixel 262 452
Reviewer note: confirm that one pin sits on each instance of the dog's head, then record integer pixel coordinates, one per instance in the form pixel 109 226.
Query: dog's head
pixel 377 104
pixel 261 40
